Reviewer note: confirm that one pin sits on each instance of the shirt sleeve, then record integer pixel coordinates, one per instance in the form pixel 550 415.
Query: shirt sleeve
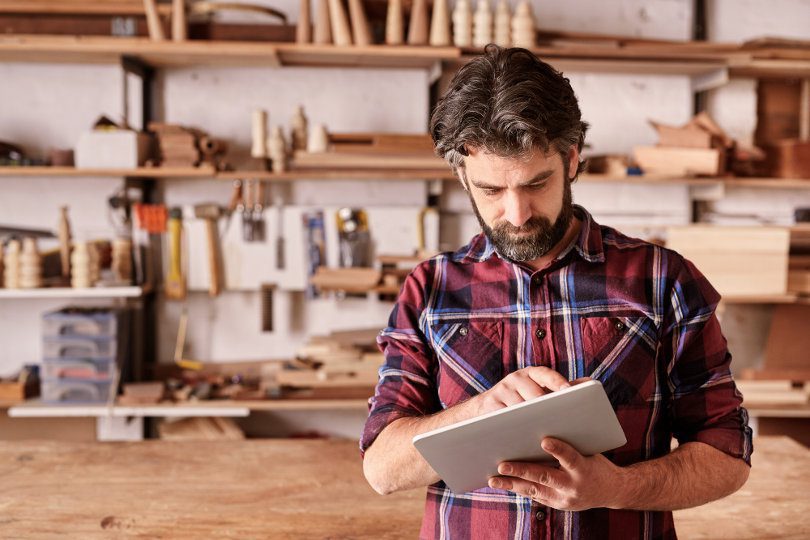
pixel 406 385
pixel 706 405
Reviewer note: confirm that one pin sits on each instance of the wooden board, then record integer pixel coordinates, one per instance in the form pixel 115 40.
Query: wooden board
pixel 679 161
pixel 788 340
pixel 286 489
pixel 738 261
pixel 329 160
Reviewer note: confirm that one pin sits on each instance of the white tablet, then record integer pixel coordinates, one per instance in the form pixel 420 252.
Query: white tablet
pixel 466 454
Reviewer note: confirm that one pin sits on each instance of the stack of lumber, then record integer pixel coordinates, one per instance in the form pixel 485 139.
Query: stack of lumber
pixel 774 392
pixel 178 146
pixel 343 364
pixel 200 429
pixel 799 263
pixel 698 148
pixel 738 261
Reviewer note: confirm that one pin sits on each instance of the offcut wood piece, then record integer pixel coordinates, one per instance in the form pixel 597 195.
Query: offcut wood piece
pixel 440 24
pixel 523 26
pixel 277 146
pixel 310 160
pixel 503 24
pixel 788 340
pixel 382 143
pixel 341 32
pixel 703 121
pixel 317 143
pixel 259 131
pixel 323 26
pixel 419 28
pixel 30 265
pixel 350 280
pixel 310 378
pixel 11 272
pixel 683 137
pixel 665 161
pixel 738 261
pixel 781 392
pixel 801 374
pixel 63 232
pixel 798 273
pixel 179 25
pixel 462 24
pixel 394 33
pixel 303 29
pixel 482 24
pixel 299 129
pixel 121 264
pixel 362 32
pixel 789 158
pixel 80 266
pixel 145 393
pixel 153 21
pixel 200 429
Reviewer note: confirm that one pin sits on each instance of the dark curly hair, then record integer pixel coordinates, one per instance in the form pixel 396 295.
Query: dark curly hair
pixel 507 102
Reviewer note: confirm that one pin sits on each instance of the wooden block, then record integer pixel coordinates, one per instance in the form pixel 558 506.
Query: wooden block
pixel 394 34
pixel 200 429
pixel 384 143
pixel 788 158
pixel 682 137
pixel 303 29
pixel 801 374
pixel 153 21
pixel 351 280
pixel 738 261
pixel 334 160
pixel 788 339
pixel 323 26
pixel 680 161
pixel 179 27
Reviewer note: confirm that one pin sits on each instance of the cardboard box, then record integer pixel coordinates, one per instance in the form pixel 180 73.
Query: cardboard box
pixel 119 149
pixel 738 261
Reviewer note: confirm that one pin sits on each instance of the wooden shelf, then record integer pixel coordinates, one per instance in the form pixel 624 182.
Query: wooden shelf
pixel 376 174
pixel 778 411
pixel 141 172
pixel 67 292
pixel 236 409
pixel 683 58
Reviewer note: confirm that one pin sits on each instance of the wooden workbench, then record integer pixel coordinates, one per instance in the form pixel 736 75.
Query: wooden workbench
pixel 299 489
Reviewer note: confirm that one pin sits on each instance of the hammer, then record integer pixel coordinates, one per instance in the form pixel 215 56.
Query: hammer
pixel 210 213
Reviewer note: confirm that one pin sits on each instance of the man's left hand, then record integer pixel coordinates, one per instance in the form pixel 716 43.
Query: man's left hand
pixel 581 482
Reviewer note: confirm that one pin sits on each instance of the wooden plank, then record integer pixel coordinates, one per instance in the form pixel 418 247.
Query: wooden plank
pixel 329 160
pixel 85 7
pixel 679 161
pixel 788 340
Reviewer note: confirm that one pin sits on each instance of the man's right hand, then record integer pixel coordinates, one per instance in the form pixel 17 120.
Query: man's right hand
pixel 522 385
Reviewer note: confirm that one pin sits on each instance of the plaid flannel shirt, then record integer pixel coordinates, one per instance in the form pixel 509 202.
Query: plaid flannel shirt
pixel 633 315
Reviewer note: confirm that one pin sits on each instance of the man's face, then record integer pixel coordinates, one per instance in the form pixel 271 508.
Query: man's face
pixel 523 205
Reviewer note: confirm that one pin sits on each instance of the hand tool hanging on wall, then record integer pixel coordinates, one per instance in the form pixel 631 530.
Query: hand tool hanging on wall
pixel 175 280
pixel 278 204
pixel 246 209
pixel 258 212
pixel 354 237
pixel 210 213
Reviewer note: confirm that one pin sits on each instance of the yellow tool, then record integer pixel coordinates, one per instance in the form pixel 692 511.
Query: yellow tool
pixel 180 344
pixel 175 280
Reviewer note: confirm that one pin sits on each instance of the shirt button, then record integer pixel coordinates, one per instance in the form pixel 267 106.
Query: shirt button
pixel 540 515
pixel 540 333
pixel 463 330
pixel 620 326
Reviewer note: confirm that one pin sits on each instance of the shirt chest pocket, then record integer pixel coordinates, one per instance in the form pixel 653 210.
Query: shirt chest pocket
pixel 470 355
pixel 621 353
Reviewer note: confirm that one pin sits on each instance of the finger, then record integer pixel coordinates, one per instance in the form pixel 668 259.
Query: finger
pixel 535 473
pixel 528 388
pixel 566 454
pixel 510 396
pixel 580 380
pixel 547 378
pixel 523 487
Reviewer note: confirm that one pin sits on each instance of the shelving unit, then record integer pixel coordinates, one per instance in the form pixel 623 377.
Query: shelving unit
pixel 192 173
pixel 235 409
pixel 67 292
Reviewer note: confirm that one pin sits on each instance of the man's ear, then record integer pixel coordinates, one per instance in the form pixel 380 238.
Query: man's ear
pixel 573 162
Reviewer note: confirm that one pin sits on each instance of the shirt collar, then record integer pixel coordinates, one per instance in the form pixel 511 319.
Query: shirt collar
pixel 588 244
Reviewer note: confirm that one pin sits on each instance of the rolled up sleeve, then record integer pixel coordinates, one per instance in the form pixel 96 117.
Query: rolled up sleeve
pixel 706 405
pixel 406 385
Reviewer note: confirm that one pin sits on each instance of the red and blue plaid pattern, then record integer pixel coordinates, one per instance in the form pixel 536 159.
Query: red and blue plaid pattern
pixel 635 316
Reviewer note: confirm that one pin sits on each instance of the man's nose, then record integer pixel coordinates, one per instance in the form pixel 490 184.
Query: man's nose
pixel 517 210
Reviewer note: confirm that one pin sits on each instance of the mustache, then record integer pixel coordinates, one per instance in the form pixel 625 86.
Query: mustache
pixel 531 225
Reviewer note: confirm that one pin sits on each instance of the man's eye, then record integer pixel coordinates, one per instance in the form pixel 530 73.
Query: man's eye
pixel 491 192
pixel 536 187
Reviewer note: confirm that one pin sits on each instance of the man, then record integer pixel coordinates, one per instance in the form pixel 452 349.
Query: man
pixel 542 297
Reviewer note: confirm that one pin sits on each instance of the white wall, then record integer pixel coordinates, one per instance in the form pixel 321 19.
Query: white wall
pixel 44 106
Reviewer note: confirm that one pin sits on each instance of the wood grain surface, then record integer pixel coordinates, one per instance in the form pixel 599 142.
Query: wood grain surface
pixel 299 489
